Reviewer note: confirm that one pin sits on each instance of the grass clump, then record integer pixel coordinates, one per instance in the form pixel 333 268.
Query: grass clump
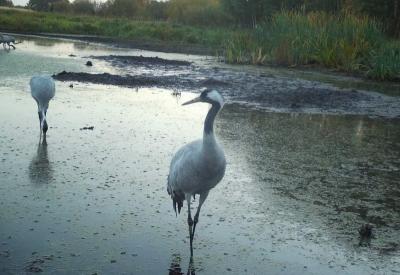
pixel 385 62
pixel 343 42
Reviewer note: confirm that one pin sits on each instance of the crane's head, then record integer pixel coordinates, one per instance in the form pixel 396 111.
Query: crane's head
pixel 209 96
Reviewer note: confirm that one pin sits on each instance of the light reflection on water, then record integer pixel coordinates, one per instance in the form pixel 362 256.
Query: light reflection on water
pixel 297 186
pixel 345 168
pixel 40 168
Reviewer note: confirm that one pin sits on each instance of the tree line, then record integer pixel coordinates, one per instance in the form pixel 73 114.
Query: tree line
pixel 6 3
pixel 238 13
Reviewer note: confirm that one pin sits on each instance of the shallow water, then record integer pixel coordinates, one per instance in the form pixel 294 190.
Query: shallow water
pixel 296 190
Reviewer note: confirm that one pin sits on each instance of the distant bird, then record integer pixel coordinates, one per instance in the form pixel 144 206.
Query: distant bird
pixel 7 40
pixel 198 166
pixel 42 90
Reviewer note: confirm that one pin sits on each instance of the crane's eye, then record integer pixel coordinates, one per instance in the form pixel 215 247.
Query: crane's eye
pixel 204 94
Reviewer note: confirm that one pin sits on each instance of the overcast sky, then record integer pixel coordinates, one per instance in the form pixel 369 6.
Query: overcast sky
pixel 20 2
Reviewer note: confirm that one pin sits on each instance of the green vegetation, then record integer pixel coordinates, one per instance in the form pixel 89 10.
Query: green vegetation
pixel 384 63
pixel 344 42
pixel 353 36
pixel 255 12
pixel 123 28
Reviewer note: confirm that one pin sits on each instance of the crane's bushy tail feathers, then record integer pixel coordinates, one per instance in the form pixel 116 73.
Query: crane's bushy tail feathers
pixel 177 198
pixel 176 203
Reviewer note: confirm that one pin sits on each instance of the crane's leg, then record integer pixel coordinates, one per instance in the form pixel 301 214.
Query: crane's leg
pixel 191 269
pixel 203 197
pixel 44 140
pixel 40 125
pixel 190 224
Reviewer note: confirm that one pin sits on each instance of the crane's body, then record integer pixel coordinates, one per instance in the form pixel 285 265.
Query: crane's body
pixel 198 166
pixel 42 90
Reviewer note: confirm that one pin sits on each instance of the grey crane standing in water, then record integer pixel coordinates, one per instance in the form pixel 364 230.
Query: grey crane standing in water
pixel 7 40
pixel 198 166
pixel 42 89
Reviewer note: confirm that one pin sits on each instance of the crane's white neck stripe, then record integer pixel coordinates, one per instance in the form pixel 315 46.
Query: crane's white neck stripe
pixel 216 97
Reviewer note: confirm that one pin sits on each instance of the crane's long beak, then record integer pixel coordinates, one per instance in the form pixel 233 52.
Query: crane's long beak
pixel 197 99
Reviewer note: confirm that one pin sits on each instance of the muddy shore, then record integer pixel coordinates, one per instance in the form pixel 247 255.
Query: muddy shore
pixel 266 91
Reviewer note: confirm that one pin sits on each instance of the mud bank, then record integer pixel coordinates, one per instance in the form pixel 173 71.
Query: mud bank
pixel 266 91
pixel 123 60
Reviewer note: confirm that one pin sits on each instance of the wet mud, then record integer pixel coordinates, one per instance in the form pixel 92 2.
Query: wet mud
pixel 266 91
pixel 124 60
pixel 87 128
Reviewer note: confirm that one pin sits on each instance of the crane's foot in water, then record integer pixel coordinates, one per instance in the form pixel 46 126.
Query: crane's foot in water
pixel 191 269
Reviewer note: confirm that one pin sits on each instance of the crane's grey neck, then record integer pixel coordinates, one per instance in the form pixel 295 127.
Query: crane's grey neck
pixel 209 122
